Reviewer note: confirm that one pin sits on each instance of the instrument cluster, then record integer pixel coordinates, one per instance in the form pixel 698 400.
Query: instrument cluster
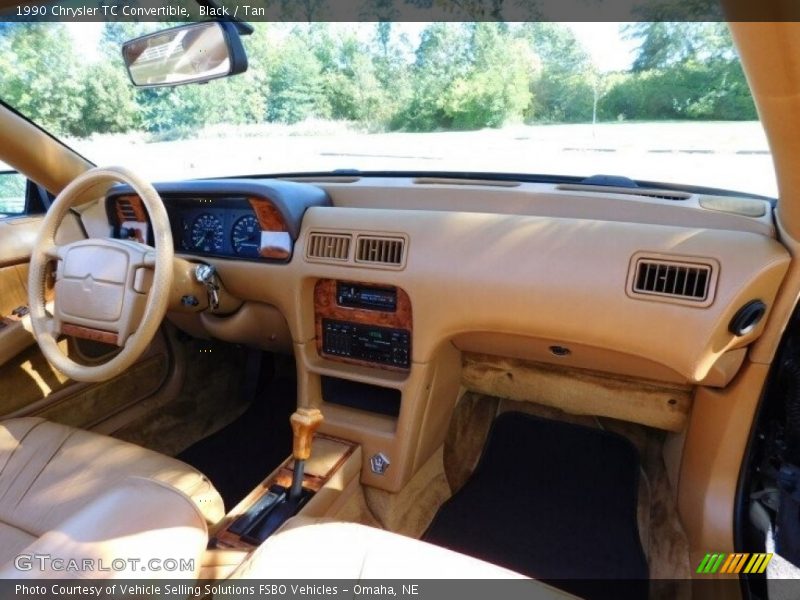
pixel 215 226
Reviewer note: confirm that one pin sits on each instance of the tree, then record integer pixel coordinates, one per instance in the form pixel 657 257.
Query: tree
pixel 41 76
pixel 682 70
pixel 489 96
pixel 563 88
pixel 440 59
pixel 295 85
pixel 664 44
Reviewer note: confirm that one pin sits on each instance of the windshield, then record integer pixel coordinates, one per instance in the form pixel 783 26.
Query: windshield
pixel 663 102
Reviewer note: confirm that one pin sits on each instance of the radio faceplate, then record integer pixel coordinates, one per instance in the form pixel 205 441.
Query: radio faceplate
pixel 363 324
pixel 367 342
pixel 367 297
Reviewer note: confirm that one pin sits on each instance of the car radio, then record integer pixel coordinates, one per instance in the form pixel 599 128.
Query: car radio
pixel 354 295
pixel 370 343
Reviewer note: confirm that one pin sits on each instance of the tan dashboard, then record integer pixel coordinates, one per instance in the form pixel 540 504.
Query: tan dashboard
pixel 648 294
pixel 562 280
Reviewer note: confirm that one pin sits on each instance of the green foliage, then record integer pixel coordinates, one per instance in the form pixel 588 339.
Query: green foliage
pixel 488 96
pixel 109 102
pixel 563 87
pixel 40 75
pixel 682 71
pixel 457 76
pixel 12 193
pixel 295 85
pixel 664 44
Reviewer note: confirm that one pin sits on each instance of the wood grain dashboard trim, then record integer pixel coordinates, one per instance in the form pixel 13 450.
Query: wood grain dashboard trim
pixel 89 333
pixel 268 216
pixel 326 307
pixel 271 220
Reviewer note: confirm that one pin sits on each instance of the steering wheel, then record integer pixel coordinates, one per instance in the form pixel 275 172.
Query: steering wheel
pixel 106 289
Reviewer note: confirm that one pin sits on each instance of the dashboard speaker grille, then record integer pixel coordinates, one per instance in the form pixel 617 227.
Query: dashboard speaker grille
pixel 329 246
pixel 687 281
pixel 380 250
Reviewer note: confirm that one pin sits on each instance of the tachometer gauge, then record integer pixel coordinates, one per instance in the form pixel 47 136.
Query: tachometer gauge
pixel 246 236
pixel 207 234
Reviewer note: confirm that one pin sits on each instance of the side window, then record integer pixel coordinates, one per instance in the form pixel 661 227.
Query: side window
pixel 13 192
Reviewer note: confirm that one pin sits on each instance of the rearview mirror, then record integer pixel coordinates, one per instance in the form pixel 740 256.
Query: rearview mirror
pixel 185 54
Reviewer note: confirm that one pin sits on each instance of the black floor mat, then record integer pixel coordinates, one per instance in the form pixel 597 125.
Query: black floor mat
pixel 554 501
pixel 239 456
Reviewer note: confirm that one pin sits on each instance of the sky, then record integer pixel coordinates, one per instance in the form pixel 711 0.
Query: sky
pixel 603 41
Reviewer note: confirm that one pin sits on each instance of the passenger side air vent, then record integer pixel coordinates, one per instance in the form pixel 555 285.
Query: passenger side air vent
pixel 329 246
pixel 673 280
pixel 380 250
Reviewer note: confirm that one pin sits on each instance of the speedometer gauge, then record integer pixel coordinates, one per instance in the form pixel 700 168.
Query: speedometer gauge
pixel 207 234
pixel 246 236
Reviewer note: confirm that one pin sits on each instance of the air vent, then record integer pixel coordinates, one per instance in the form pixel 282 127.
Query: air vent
pixel 474 182
pixel 126 209
pixel 329 246
pixel 379 250
pixel 129 209
pixel 675 280
pixel 660 194
pixel 665 195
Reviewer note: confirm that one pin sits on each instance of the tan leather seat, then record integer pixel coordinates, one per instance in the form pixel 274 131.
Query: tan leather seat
pixel 49 473
pixel 137 529
pixel 321 549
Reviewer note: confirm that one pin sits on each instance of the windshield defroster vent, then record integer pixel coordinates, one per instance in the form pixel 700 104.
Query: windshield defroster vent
pixel 648 193
pixel 673 280
pixel 379 250
pixel 329 246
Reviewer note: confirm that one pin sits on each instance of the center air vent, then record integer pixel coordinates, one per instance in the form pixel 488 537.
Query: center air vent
pixel 329 246
pixel 673 280
pixel 380 250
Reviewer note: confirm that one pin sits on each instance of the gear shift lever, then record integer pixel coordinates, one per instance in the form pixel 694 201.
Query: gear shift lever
pixel 305 421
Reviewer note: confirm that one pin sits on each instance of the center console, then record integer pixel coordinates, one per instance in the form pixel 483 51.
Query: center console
pixel 332 468
pixel 361 368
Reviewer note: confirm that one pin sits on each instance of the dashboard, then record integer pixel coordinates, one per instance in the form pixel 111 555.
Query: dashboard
pixel 394 293
pixel 518 280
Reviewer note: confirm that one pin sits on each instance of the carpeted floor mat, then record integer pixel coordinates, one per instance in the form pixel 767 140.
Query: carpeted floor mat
pixel 554 501
pixel 239 456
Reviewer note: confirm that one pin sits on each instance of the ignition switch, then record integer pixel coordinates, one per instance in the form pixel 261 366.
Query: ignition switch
pixel 207 275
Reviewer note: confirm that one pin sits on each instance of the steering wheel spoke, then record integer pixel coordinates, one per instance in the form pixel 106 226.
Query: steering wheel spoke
pixel 149 260
pixel 50 326
pixel 52 251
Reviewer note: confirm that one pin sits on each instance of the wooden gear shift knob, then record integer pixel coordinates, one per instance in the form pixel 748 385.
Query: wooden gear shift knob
pixel 305 422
